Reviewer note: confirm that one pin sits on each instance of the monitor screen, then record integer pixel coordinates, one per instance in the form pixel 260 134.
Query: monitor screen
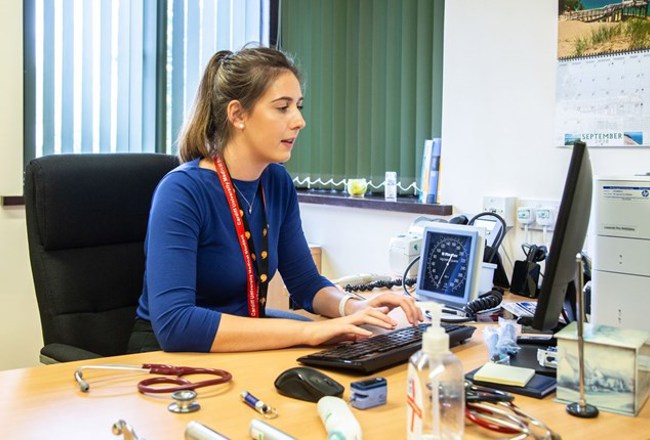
pixel 558 291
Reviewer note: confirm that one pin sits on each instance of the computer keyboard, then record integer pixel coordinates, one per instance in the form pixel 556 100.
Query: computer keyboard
pixel 382 351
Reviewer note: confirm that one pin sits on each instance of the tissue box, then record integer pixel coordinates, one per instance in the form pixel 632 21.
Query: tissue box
pixel 616 372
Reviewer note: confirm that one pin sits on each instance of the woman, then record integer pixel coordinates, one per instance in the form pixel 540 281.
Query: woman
pixel 224 221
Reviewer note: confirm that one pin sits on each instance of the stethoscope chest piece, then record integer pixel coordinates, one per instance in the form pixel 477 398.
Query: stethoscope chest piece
pixel 184 402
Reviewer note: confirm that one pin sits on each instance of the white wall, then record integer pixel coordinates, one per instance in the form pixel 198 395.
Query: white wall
pixel 20 331
pixel 497 131
pixel 498 109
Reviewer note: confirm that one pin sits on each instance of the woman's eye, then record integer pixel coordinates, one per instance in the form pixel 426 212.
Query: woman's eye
pixel 283 109
pixel 300 107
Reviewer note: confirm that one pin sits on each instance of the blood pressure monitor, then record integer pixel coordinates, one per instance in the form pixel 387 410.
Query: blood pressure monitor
pixel 450 263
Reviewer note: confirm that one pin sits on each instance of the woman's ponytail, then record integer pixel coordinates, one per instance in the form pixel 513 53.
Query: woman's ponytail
pixel 199 135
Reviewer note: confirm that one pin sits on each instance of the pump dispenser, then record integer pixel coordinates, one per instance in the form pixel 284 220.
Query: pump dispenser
pixel 435 394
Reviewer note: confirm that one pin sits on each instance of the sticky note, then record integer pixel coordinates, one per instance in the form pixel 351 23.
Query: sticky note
pixel 504 374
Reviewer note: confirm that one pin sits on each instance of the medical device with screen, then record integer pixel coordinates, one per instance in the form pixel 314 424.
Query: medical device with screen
pixel 558 289
pixel 450 263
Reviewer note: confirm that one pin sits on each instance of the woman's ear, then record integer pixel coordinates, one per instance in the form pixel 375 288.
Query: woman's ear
pixel 236 114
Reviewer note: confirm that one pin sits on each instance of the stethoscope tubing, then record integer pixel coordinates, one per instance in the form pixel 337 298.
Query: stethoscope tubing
pixel 507 418
pixel 146 385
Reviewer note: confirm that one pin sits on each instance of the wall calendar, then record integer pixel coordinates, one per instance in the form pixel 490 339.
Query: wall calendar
pixel 604 100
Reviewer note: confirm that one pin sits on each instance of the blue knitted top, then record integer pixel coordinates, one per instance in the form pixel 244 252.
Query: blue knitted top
pixel 194 266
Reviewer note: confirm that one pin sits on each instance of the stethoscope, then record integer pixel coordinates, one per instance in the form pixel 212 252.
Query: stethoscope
pixel 494 410
pixel 148 385
pixel 507 418
pixel 476 393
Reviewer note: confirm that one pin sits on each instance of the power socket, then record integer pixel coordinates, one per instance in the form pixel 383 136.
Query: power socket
pixel 545 216
pixel 502 206
pixel 544 212
pixel 525 216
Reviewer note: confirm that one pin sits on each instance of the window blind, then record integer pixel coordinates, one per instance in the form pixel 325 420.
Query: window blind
pixel 373 87
pixel 198 29
pixel 120 75
pixel 93 76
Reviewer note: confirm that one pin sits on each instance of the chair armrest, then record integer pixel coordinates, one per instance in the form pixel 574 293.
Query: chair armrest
pixel 55 353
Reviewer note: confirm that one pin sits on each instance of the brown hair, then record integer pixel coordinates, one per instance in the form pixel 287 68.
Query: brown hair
pixel 244 76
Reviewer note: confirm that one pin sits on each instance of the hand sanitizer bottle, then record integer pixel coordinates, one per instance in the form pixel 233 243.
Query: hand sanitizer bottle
pixel 435 395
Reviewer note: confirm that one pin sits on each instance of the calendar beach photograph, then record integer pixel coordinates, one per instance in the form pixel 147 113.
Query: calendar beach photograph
pixel 595 27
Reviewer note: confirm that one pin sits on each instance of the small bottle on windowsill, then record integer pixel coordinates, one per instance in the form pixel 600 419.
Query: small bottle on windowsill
pixel 390 186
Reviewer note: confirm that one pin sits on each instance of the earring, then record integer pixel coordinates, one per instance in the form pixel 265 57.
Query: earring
pixel 241 126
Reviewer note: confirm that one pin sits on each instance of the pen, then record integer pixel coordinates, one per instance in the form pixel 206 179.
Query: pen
pixel 267 411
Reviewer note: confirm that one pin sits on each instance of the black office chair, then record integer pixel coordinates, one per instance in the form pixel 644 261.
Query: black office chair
pixel 86 223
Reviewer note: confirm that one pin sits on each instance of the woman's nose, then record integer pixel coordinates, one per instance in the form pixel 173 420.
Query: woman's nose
pixel 299 123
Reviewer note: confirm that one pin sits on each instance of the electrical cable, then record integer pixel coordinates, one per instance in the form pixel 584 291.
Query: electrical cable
pixel 499 238
pixel 379 284
pixel 488 300
pixel 405 275
pixel 507 257
pixel 534 253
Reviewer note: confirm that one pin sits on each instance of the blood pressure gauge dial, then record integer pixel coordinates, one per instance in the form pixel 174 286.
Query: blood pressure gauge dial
pixel 447 263
pixel 450 263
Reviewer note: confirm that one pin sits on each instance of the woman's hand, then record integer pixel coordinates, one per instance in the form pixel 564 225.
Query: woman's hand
pixel 331 331
pixel 390 301
pixel 373 311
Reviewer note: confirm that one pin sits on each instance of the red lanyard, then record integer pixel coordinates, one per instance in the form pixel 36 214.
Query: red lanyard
pixel 256 291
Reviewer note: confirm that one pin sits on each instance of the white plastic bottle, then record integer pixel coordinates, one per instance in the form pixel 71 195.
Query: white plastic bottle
pixel 435 395
pixel 338 419
pixel 390 186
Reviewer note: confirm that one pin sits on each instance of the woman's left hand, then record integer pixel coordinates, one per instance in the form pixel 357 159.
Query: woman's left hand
pixel 390 300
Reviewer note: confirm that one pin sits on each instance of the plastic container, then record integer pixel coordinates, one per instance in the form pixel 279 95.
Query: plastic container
pixel 435 395
pixel 390 186
pixel 338 420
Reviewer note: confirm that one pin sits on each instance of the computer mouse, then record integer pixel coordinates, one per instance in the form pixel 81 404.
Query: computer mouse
pixel 307 383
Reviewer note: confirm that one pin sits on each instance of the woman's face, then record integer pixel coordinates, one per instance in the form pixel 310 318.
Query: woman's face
pixel 272 127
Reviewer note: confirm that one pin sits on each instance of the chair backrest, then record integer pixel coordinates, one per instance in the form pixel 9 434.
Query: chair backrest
pixel 86 223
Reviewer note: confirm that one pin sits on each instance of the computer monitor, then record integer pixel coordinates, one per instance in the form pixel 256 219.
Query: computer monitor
pixel 558 289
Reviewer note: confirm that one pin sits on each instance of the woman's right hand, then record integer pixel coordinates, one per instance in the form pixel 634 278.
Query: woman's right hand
pixel 335 330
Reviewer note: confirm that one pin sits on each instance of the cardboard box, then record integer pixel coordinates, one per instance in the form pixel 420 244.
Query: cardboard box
pixel 616 372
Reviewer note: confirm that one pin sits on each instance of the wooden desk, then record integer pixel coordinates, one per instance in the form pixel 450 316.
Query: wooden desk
pixel 45 402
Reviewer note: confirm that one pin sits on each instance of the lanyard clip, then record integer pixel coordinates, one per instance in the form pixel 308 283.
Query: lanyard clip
pixel 267 411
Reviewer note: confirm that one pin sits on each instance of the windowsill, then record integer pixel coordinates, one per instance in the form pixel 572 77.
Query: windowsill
pixel 408 204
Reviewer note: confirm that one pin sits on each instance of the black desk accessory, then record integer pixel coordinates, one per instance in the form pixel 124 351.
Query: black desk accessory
pixel 539 386
pixel 308 384
pixel 527 358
